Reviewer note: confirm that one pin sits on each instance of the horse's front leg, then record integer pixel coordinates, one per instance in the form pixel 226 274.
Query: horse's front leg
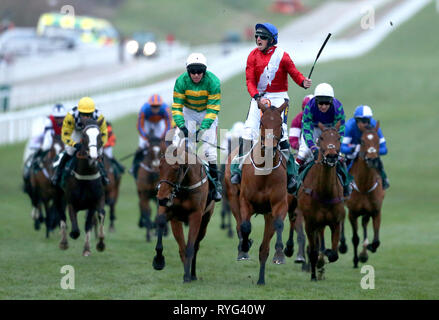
pixel 194 228
pixel 74 234
pixel 100 246
pixel 311 233
pixel 300 258
pixel 376 232
pixel 88 228
pixel 343 248
pixel 265 247
pixel 246 227
pixel 279 213
pixel 159 260
pixel 332 253
pixel 363 254
pixel 201 233
pixel 289 248
pixel 355 238
pixel 63 244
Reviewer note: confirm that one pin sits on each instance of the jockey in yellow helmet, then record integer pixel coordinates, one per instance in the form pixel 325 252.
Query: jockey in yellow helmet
pixel 70 135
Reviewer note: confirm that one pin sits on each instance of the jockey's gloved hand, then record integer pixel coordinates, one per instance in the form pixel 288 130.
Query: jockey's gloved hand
pixel 199 134
pixel 257 96
pixel 185 131
pixel 315 153
pixel 77 146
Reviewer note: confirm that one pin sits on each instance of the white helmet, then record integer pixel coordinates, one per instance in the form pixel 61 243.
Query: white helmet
pixel 325 90
pixel 237 129
pixel 196 58
pixel 58 110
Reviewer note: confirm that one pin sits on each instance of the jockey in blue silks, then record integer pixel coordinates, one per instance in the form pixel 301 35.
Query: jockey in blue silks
pixel 351 141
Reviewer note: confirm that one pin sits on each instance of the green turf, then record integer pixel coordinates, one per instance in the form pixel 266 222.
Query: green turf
pixel 398 80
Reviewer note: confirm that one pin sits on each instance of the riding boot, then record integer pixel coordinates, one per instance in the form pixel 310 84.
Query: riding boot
pixel 294 168
pixel 103 172
pixel 235 167
pixel 138 157
pixel 345 178
pixel 383 174
pixel 59 168
pixel 120 168
pixel 213 171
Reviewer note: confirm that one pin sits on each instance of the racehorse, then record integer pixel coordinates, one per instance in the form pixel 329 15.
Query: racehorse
pixel 296 223
pixel 320 200
pixel 147 178
pixel 43 192
pixel 226 215
pixel 84 189
pixel 368 194
pixel 183 196
pixel 263 187
pixel 112 189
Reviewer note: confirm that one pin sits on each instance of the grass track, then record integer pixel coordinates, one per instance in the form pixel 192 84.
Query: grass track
pixel 398 80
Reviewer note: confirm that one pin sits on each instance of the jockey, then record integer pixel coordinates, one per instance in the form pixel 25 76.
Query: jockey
pixel 52 127
pixel 324 108
pixel 352 139
pixel 197 98
pixel 296 125
pixel 153 120
pixel 70 135
pixel 108 148
pixel 266 73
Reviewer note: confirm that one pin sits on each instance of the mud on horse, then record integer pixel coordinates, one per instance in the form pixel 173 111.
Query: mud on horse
pixel 320 200
pixel 146 182
pixel 368 194
pixel 263 187
pixel 183 196
pixel 84 189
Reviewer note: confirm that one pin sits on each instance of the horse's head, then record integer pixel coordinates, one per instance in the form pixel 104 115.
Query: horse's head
pixel 173 169
pixel 90 137
pixel 155 150
pixel 329 144
pixel 271 124
pixel 370 145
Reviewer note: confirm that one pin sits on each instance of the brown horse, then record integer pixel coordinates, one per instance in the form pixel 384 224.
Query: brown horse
pixel 368 194
pixel 183 196
pixel 111 190
pixel 263 187
pixel 84 189
pixel 42 190
pixel 146 182
pixel 320 200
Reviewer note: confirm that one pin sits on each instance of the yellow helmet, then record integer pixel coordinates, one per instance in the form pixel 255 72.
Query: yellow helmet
pixel 86 105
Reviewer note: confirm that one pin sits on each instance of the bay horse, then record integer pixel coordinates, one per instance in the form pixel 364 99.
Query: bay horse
pixel 112 189
pixel 320 200
pixel 43 193
pixel 146 181
pixel 263 187
pixel 84 189
pixel 368 194
pixel 183 196
pixel 296 224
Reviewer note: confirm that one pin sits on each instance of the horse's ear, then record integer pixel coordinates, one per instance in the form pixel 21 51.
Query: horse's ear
pixel 261 106
pixel 377 127
pixel 283 106
pixel 337 125
pixel 321 126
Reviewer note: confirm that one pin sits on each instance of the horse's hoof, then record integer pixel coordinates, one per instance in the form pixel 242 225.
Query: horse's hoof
pixel 321 274
pixel 187 279
pixel 373 246
pixel 158 263
pixel 261 282
pixel 194 278
pixel 363 257
pixel 230 234
pixel 63 246
pixel 100 246
pixel 37 224
pixel 314 278
pixel 141 223
pixel 111 229
pixel 299 259
pixel 74 234
pixel 243 256
pixel 343 248
pixel 289 250
pixel 279 258
pixel 86 253
pixel 331 254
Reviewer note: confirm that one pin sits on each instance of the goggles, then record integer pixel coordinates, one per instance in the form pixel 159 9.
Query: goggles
pixel 362 120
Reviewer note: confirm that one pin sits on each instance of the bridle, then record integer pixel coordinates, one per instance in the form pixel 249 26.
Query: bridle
pixel 364 154
pixel 332 160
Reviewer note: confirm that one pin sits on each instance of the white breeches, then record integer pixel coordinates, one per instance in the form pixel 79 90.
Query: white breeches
pixel 304 151
pixel 109 152
pixel 251 127
pixel 193 121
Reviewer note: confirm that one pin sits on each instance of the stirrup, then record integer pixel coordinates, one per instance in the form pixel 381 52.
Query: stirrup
pixel 235 179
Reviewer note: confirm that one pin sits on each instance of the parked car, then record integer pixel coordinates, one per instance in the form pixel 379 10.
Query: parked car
pixel 142 44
